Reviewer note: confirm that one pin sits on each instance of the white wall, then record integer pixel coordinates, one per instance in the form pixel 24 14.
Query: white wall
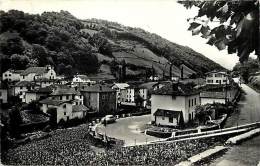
pixel 214 78
pixel 165 121
pixel 3 95
pixel 10 76
pixel 178 103
pixel 29 97
pixel 167 102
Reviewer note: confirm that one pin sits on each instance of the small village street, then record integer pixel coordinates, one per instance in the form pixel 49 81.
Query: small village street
pixel 248 152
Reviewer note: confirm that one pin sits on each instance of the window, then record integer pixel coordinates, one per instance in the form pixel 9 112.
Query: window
pixel 23 77
pixel 5 75
pixel 218 75
pixel 170 119
pixel 51 74
pixel 195 101
pixel 224 80
pixel 64 113
pixel 209 81
pixel 0 93
pixel 21 87
pixel 67 97
pixel 189 102
pixel 163 117
pixel 60 97
pixel 10 75
pixel 64 106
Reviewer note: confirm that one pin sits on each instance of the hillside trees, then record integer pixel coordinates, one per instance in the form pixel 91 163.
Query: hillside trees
pixel 237 29
pixel 50 38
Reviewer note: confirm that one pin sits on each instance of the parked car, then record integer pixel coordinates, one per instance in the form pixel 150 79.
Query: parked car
pixel 108 119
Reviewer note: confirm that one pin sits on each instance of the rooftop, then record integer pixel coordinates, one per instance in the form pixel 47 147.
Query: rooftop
pixel 50 101
pixel 177 89
pixel 37 70
pixel 214 95
pixel 121 85
pixel 97 88
pixel 64 90
pixel 47 90
pixel 24 84
pixel 79 108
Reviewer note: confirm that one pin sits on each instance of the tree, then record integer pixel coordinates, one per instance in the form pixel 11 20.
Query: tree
pixel 19 61
pixel 238 27
pixel 12 45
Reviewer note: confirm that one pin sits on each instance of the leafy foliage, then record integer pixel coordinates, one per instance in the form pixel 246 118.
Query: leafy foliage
pixel 50 38
pixel 238 27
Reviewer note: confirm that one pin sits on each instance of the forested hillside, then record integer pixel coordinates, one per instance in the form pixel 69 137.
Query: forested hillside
pixel 89 46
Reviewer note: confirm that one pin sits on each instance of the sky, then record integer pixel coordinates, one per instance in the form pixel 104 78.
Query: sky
pixel 166 18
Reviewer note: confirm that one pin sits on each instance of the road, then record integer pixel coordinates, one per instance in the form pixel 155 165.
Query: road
pixel 248 152
pixel 129 129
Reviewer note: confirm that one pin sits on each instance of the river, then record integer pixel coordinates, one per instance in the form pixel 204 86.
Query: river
pixel 248 153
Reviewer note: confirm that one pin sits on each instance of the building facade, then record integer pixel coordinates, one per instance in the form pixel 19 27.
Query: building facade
pixel 175 97
pixel 99 98
pixel 34 73
pixel 217 77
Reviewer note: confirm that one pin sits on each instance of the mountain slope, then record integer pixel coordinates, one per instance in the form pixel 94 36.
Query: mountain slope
pixel 90 46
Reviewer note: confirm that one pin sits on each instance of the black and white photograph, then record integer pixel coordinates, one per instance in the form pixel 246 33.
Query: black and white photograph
pixel 130 82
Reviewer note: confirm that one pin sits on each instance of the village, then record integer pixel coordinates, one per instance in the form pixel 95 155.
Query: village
pixel 176 103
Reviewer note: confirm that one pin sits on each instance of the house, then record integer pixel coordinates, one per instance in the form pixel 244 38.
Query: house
pixel 44 82
pixel 65 93
pixel 217 77
pixel 12 75
pixel 38 94
pixel 3 94
pixel 174 97
pixel 120 87
pixel 20 88
pixel 168 117
pixel 79 79
pixel 99 98
pixel 33 73
pixel 218 94
pixel 64 103
pixel 58 109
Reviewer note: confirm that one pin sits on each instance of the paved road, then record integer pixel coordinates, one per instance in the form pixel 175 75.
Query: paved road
pixel 129 129
pixel 248 153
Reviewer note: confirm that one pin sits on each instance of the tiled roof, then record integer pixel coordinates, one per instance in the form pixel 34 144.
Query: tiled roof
pixel 213 95
pixel 79 108
pixel 50 101
pixel 148 85
pixel 83 77
pixel 37 70
pixel 63 90
pixel 15 71
pixel 176 89
pixel 47 90
pixel 217 71
pixel 168 113
pixel 44 79
pixel 24 83
pixel 121 85
pixel 97 88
